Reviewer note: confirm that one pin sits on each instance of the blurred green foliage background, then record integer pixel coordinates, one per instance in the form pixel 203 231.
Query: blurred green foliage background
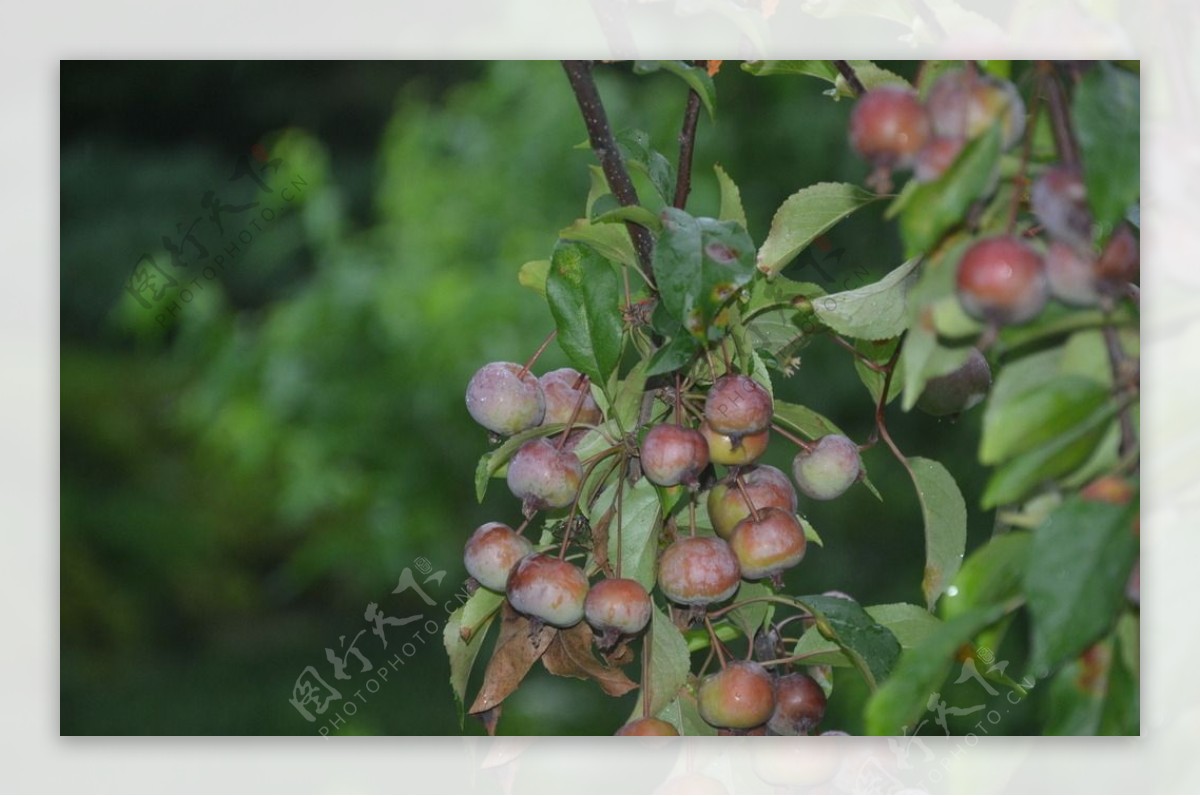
pixel 242 476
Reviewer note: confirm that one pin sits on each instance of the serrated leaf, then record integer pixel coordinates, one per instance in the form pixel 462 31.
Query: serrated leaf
pixel 804 216
pixel 670 663
pixel 753 617
pixel 869 646
pixel 873 312
pixel 638 537
pixel 491 462
pixel 1106 111
pixel 533 275
pixel 920 672
pixel 696 77
pixel 700 264
pixel 731 199
pixel 635 214
pixel 910 624
pixel 1036 416
pixel 677 353
pixel 584 293
pixel 640 156
pixel 570 655
pixel 627 402
pixel 878 352
pixel 515 652
pixel 936 207
pixel 945 514
pixel 463 637
pixel 683 714
pixel 1075 585
pixel 1014 480
pixel 990 575
pixel 870 75
pixel 610 241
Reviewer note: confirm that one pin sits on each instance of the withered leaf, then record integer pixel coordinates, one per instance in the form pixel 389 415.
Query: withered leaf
pixel 570 655
pixel 516 651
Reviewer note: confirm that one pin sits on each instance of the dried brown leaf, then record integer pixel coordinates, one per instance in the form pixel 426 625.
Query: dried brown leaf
pixel 570 655
pixel 516 651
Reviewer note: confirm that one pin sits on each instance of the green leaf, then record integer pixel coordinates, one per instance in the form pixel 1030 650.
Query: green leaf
pixel 670 663
pixel 1036 416
pixel 878 352
pixel 640 511
pixel 1078 691
pixel 611 241
pixel 869 646
pixel 731 198
pixel 937 207
pixel 1075 585
pixel 584 293
pixel 684 714
pixel 463 637
pixel 870 75
pixel 700 264
pixel 753 617
pixel 677 353
pixel 533 275
pixel 1014 480
pixel 872 312
pixel 492 461
pixel 910 624
pixel 640 156
pixel 920 672
pixel 804 216
pixel 631 213
pixel 945 515
pixel 627 403
pixel 1107 113
pixel 990 575
pixel 696 77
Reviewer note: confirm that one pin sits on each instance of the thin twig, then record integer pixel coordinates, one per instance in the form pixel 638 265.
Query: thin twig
pixel 1022 176
pixel 540 349
pixel 851 77
pixel 1116 358
pixel 1060 118
pixel 881 407
pixel 687 144
pixel 579 74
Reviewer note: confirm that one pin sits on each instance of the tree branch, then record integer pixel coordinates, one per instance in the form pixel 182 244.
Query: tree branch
pixel 687 144
pixel 1060 120
pixel 851 77
pixel 579 73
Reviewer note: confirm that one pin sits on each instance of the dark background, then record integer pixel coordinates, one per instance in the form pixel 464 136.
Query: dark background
pixel 243 475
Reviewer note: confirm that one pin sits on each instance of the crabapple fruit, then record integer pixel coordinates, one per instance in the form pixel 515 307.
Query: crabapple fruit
pixel 963 104
pixel 828 469
pixel 563 389
pixel 958 390
pixel 673 455
pixel 764 485
pixel 1119 262
pixel 768 544
pixel 649 726
pixel 738 405
pixel 505 398
pixel 548 589
pixel 1071 276
pixel 617 604
pixel 1059 200
pixel 935 157
pixel 491 553
pixel 740 696
pixel 543 476
pixel 888 126
pixel 1001 280
pixel 799 705
pixel 732 451
pixel 698 570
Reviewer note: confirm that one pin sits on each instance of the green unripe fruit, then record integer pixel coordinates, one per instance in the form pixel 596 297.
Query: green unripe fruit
pixel 959 390
pixel 828 469
pixel 740 696
pixel 491 553
pixel 548 589
pixel 505 399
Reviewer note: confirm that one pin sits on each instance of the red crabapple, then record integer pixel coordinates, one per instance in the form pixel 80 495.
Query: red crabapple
pixel 738 405
pixel 740 696
pixel 1002 280
pixel 766 486
pixel 1071 276
pixel 548 589
pixel 958 390
pixel 563 389
pixel 799 705
pixel 648 727
pixel 618 604
pixel 963 104
pixel 673 455
pixel 935 157
pixel 698 570
pixel 1059 200
pixel 767 545
pixel 544 477
pixel 505 399
pixel 491 553
pixel 887 127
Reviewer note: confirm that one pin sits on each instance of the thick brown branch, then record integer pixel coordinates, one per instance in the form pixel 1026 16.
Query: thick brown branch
pixel 579 73
pixel 687 145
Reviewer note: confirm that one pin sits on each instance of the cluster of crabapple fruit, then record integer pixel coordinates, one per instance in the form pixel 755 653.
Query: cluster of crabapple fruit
pixel 1002 279
pixel 758 534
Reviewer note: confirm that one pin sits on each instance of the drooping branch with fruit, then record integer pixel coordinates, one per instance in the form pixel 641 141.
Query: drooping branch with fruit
pixel 651 532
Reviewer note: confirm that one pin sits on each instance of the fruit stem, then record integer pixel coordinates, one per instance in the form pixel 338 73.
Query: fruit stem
pixel 647 644
pixel 581 385
pixel 579 75
pixel 678 400
pixel 789 659
pixel 851 77
pixel 804 445
pixel 746 497
pixel 1116 359
pixel 716 642
pixel 540 349
pixel 620 546
pixel 692 515
pixel 570 523
pixel 1022 180
pixel 1060 119
pixel 687 144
